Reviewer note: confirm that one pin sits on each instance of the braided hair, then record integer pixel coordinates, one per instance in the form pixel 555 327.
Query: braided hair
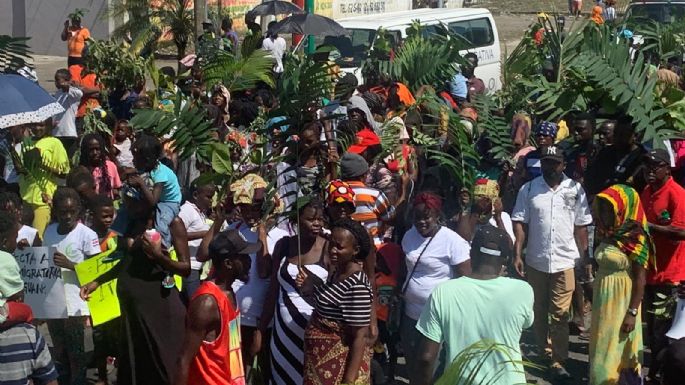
pixel 360 234
pixel 10 199
pixel 105 184
pixel 63 194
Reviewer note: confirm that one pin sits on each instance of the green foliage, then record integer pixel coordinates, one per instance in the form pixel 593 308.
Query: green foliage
pixel 188 127
pixel 14 53
pixel 466 368
pixel 662 41
pixel 239 74
pixel 593 70
pixel 116 65
pixel 495 127
pixel 421 60
pixel 150 27
pixel 664 306
pixel 78 13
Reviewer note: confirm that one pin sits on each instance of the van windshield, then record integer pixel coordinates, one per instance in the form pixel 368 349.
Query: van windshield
pixel 353 48
pixel 663 13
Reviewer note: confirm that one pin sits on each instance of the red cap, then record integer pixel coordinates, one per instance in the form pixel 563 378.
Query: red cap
pixel 365 139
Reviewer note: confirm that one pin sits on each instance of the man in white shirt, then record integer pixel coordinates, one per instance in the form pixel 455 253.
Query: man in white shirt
pixel 69 97
pixel 193 213
pixel 276 46
pixel 552 214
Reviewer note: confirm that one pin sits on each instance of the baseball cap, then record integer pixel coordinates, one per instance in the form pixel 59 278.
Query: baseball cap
pixel 491 241
pixel 365 139
pixel 553 153
pixel 658 155
pixel 352 166
pixel 230 242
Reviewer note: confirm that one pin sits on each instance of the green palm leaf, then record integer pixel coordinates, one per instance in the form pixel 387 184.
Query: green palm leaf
pixel 14 53
pixel 239 74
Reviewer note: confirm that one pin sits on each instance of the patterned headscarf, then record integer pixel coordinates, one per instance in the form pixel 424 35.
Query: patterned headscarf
pixel 248 189
pixel 631 234
pixel 486 187
pixel 547 129
pixel 339 192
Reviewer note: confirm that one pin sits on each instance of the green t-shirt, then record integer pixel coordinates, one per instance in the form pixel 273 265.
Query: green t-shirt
pixel 464 311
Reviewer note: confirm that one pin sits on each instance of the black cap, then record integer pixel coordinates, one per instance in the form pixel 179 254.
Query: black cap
pixel 659 155
pixel 491 241
pixel 230 242
pixel 553 153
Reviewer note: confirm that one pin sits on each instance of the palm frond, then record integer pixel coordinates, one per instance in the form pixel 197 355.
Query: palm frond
pixel 14 53
pixel 239 74
pixel 190 131
pixel 467 366
pixel 494 127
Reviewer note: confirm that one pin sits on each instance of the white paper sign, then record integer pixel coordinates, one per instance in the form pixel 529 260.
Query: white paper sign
pixel 43 284
pixel 677 330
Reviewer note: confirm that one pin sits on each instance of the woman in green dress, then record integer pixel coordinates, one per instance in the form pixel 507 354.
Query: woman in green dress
pixel 623 255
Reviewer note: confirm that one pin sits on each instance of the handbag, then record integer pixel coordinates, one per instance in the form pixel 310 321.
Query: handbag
pixel 397 307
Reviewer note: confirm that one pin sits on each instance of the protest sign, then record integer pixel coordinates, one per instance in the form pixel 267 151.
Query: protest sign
pixel 103 302
pixel 43 284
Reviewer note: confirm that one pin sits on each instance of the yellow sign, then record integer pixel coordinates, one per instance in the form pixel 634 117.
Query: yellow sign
pixel 103 303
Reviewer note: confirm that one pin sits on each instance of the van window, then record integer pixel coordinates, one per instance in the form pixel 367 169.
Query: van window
pixel 355 47
pixel 477 31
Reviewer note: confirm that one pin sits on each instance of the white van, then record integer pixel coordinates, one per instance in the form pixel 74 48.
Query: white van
pixel 476 25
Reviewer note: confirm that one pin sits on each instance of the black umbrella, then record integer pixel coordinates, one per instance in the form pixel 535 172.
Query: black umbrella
pixel 309 24
pixel 275 7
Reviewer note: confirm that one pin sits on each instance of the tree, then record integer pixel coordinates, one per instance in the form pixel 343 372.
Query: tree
pixel 152 25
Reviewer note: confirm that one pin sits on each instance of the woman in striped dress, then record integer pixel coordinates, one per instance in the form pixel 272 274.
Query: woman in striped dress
pixel 336 350
pixel 292 309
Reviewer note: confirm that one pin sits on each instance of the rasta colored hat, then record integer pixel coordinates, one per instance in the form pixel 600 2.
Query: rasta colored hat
pixel 365 139
pixel 339 192
pixel 248 190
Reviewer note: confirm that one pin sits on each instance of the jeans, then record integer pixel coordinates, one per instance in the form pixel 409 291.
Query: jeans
pixel 190 284
pixel 166 212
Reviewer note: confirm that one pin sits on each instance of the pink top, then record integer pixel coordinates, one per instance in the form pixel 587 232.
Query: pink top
pixel 113 174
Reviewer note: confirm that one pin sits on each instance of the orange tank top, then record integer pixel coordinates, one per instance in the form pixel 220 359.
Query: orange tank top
pixel 219 362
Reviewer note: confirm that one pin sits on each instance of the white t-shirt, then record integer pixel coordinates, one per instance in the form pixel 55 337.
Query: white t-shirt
pixel 250 295
pixel 28 233
pixel 276 47
pixel 194 221
pixel 65 123
pixel 125 157
pixel 77 246
pixel 447 249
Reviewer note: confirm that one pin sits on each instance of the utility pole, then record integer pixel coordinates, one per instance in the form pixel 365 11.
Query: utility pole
pixel 200 13
pixel 309 7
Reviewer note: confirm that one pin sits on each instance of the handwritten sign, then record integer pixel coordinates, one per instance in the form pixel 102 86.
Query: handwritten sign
pixel 103 302
pixel 43 284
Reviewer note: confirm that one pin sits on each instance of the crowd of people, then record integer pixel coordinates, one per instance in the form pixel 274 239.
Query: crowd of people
pixel 386 255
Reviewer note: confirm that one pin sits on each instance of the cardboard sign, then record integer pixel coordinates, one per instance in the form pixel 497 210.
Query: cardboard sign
pixel 103 302
pixel 43 284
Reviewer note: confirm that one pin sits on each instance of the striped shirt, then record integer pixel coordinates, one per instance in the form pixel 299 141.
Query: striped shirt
pixel 371 207
pixel 23 356
pixel 348 301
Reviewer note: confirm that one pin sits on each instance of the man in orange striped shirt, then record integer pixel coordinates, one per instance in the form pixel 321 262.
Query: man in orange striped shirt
pixel 371 205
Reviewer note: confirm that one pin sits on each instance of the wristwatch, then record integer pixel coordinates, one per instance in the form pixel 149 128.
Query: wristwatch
pixel 632 312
